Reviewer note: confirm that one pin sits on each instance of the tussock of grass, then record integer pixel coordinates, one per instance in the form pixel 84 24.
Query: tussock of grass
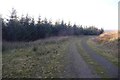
pixel 34 49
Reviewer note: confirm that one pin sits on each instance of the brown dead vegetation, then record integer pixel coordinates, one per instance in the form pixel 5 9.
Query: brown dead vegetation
pixel 108 37
pixel 110 41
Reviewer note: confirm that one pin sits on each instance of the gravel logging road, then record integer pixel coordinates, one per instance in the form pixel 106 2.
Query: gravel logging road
pixel 78 68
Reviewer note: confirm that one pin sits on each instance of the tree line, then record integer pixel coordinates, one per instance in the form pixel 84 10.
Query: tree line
pixel 26 29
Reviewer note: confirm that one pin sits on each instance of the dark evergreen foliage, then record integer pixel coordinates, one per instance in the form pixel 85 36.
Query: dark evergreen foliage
pixel 25 29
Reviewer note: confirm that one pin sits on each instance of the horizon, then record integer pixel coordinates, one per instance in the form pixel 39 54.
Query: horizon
pixel 98 13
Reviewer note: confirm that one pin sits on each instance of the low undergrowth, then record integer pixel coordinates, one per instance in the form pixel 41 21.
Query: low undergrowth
pixel 38 60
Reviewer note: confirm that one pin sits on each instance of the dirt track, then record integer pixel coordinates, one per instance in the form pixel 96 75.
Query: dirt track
pixel 111 69
pixel 78 68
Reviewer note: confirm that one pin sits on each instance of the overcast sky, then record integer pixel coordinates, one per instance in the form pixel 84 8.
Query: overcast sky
pixel 99 13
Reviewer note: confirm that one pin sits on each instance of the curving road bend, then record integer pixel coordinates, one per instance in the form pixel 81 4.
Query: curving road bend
pixel 77 67
pixel 110 68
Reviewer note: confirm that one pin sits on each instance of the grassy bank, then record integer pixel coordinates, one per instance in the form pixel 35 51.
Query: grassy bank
pixel 34 59
pixel 108 53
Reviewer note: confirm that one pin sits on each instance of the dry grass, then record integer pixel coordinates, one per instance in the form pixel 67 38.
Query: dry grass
pixel 109 41
pixel 16 45
pixel 108 36
pixel 38 59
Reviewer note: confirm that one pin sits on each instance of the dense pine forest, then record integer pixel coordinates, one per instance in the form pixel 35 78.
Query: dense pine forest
pixel 26 28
